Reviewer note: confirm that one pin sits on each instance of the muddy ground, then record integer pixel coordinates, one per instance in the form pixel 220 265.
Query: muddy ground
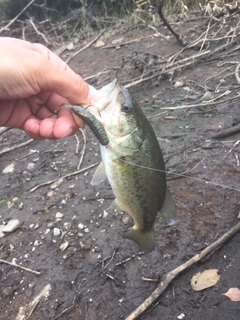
pixel 97 274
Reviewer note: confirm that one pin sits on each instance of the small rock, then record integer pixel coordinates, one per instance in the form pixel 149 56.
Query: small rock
pixel 47 231
pixel 181 316
pixel 59 215
pixel 105 213
pixel 56 232
pixel 70 46
pixel 56 184
pixel 50 193
pixel 117 41
pixel 207 96
pixel 126 219
pixel 12 225
pixel 80 226
pixel 99 44
pixel 30 165
pixel 9 168
pixel 36 243
pixel 64 246
pixel 178 84
pixel 20 207
pixel 86 230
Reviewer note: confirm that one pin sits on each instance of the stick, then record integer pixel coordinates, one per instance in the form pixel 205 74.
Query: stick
pixel 206 103
pixel 237 74
pixel 18 266
pixel 164 20
pixel 16 146
pixel 227 132
pixel 37 31
pixel 86 46
pixel 127 42
pixel 17 16
pixel 63 177
pixel 172 274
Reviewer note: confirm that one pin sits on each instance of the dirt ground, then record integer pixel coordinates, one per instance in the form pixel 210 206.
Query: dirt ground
pixel 65 233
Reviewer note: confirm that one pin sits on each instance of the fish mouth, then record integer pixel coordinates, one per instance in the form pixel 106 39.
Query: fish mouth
pixel 109 93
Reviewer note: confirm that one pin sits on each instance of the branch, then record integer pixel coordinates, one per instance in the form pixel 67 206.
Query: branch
pixel 172 274
pixel 17 16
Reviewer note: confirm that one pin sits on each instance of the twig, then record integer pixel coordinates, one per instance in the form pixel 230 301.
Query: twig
pixel 127 42
pixel 83 149
pixel 86 46
pixel 17 16
pixel 16 146
pixel 172 274
pixel 227 132
pixel 37 31
pixel 21 267
pixel 206 103
pixel 164 20
pixel 63 177
pixel 237 73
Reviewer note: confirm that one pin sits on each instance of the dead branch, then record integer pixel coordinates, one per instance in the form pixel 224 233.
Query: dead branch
pixel 37 31
pixel 6 150
pixel 227 132
pixel 127 42
pixel 205 103
pixel 164 20
pixel 17 16
pixel 172 274
pixel 63 177
pixel 85 47
pixel 18 266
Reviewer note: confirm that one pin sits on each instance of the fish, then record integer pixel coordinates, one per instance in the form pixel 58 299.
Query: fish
pixel 133 163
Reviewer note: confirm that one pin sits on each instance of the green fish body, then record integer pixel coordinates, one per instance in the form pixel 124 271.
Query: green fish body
pixel 133 164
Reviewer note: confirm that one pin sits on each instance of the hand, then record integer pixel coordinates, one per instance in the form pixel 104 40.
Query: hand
pixel 34 82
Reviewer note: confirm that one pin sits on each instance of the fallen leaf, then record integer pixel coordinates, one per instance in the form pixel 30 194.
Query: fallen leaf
pixel 233 294
pixel 205 279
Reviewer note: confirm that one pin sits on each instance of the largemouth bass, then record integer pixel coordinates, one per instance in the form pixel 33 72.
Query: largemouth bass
pixel 133 164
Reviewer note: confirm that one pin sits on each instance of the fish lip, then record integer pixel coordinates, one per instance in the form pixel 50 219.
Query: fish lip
pixel 109 91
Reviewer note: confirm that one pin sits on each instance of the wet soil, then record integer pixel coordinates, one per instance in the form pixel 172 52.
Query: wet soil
pixel 99 275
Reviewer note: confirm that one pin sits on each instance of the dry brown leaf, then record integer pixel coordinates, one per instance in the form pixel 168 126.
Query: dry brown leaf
pixel 205 279
pixel 233 294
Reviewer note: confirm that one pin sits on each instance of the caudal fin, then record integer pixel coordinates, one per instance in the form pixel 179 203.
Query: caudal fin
pixel 144 239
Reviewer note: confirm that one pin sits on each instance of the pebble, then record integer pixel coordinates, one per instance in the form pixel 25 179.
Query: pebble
pixel 64 246
pixel 181 316
pixel 59 215
pixel 126 219
pixel 8 169
pixel 80 226
pixel 56 232
pixel 178 84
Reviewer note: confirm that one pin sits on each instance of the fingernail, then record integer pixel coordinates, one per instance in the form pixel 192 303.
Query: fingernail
pixel 94 95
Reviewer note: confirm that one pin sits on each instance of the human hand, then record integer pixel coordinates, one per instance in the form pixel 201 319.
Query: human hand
pixel 34 82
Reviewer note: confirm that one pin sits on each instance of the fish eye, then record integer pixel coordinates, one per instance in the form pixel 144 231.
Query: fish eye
pixel 127 108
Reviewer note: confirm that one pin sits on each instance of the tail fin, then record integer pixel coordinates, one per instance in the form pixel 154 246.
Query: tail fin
pixel 144 239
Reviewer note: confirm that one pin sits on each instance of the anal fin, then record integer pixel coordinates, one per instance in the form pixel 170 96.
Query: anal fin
pixel 168 210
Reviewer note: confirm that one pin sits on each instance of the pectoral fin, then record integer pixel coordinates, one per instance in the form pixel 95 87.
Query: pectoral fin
pixel 168 210
pixel 115 206
pixel 99 175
